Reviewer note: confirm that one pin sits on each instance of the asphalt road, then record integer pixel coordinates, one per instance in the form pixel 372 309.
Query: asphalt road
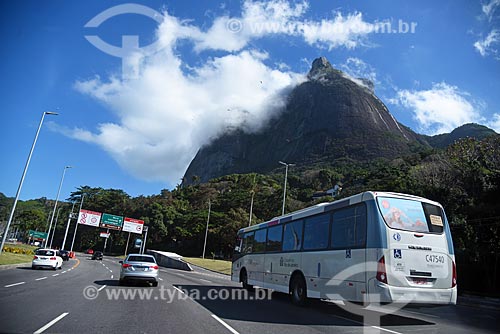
pixel 84 297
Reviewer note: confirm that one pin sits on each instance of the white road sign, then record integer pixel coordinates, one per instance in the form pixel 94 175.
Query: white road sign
pixel 91 218
pixel 132 225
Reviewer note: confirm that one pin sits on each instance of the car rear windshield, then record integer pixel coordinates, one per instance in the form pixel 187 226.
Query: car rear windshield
pixel 411 215
pixel 141 259
pixel 45 252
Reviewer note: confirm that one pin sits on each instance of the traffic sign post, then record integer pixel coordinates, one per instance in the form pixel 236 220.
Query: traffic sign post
pixel 106 240
pixel 37 235
pixel 145 229
pixel 132 225
pixel 111 221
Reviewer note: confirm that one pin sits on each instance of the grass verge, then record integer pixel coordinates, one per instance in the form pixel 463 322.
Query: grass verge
pixel 220 266
pixel 11 258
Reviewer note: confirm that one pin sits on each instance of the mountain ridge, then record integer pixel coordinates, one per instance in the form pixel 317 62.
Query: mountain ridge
pixel 330 116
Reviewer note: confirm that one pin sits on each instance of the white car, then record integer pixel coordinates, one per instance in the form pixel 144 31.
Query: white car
pixel 46 258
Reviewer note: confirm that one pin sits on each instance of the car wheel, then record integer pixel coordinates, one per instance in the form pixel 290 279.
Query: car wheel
pixel 121 282
pixel 55 267
pixel 155 284
pixel 33 267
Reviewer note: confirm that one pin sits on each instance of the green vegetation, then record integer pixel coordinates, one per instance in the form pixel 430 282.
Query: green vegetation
pixel 19 249
pixel 11 258
pixel 220 266
pixel 464 178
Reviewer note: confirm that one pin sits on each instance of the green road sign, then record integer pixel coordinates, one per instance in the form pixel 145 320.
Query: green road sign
pixel 37 235
pixel 111 221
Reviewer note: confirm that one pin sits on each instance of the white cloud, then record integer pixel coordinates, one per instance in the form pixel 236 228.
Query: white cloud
pixel 166 115
pixel 348 31
pixel 440 109
pixel 279 17
pixel 170 107
pixel 494 123
pixel 356 68
pixel 489 8
pixel 487 45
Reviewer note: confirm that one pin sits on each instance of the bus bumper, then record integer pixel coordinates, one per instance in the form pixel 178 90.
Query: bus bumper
pixel 385 293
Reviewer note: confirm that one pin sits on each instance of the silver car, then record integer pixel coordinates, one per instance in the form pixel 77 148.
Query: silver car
pixel 139 267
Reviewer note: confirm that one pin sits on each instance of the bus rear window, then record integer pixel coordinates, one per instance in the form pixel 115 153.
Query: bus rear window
pixel 410 215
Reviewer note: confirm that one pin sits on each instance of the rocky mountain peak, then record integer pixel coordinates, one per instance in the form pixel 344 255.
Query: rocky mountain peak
pixel 322 70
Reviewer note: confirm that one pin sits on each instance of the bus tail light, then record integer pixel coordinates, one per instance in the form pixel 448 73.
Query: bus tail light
pixel 454 276
pixel 381 274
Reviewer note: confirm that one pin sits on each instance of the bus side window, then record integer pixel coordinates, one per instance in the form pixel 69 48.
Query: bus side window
pixel 292 236
pixel 316 232
pixel 259 242
pixel 274 237
pixel 360 225
pixel 248 242
pixel 349 227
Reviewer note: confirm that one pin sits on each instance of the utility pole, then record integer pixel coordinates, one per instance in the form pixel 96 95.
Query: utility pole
pixel 251 201
pixel 11 216
pixel 76 224
pixel 67 225
pixel 206 230
pixel 284 187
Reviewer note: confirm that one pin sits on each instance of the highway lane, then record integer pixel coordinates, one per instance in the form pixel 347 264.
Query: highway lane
pixel 278 315
pixel 194 302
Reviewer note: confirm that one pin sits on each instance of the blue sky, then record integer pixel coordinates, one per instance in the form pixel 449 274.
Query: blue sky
pixel 134 122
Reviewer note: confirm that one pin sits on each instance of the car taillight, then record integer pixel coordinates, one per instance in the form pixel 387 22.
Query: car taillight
pixel 126 265
pixel 53 258
pixel 35 257
pixel 154 267
pixel 381 274
pixel 454 276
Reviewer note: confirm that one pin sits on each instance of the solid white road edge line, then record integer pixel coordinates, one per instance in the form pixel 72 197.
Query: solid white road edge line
pixel 231 329
pixel 362 324
pixel 47 326
pixel 8 286
pixel 384 329
pixel 176 288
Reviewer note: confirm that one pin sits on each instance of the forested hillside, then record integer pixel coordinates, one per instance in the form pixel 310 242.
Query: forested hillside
pixel 464 177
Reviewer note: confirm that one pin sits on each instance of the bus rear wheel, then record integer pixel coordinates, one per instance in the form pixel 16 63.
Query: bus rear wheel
pixel 298 291
pixel 244 280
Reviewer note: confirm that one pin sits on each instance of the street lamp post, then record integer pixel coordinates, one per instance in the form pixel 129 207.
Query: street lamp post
pixel 55 224
pixel 206 230
pixel 5 232
pixel 251 201
pixel 67 225
pixel 57 199
pixel 284 188
pixel 76 224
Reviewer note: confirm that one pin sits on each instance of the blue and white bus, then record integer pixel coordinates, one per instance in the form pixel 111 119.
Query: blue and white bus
pixel 375 245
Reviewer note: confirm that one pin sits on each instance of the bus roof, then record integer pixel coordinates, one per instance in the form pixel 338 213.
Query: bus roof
pixel 329 206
